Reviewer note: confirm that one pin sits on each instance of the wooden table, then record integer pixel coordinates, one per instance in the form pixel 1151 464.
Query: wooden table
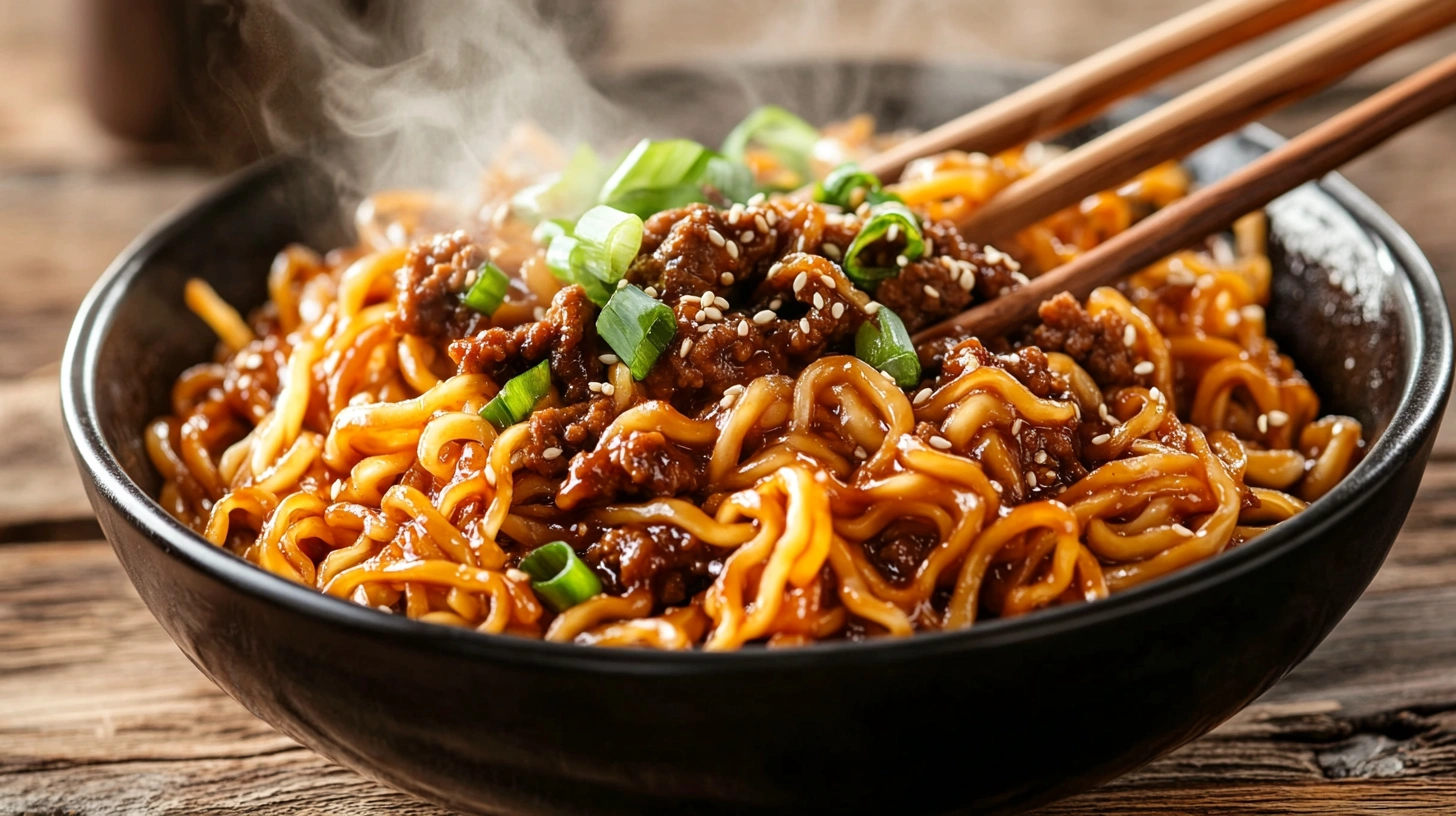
pixel 100 713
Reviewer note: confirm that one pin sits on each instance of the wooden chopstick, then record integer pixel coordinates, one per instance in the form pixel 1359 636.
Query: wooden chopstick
pixel 1306 157
pixel 1079 92
pixel 1282 76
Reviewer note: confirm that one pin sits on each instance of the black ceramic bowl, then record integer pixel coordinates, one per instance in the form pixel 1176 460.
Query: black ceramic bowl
pixel 1003 717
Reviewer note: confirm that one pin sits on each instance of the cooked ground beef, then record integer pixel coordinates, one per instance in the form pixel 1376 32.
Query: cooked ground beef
pixel 660 557
pixel 898 550
pixel 430 283
pixel 568 430
pixel 566 332
pixel 688 251
pixel 636 464
pixel 1028 365
pixel 1095 343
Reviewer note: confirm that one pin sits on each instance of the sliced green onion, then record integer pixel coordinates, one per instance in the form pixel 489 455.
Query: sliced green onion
pixel 883 217
pixel 888 348
pixel 637 327
pixel 568 194
pixel 839 187
pixel 564 259
pixel 519 397
pixel 548 230
pixel 608 240
pixel 790 139
pixel 663 175
pixel 559 576
pixel 488 291
pixel 655 165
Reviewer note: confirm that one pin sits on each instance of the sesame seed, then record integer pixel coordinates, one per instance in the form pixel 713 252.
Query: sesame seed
pixel 1016 428
pixel 551 453
pixel 993 255
pixel 818 301
pixel 1021 280
pixel 721 302
pixel 743 328
pixel 1252 312
pixel 932 291
pixel 594 387
pixel 837 310
pixel 1106 417
pixel 774 270
pixel 733 389
pixel 622 284
pixel 773 217
pixel 732 250
pixel 1278 418
pixel 929 247
pixel 1031 479
pixel 1205 281
pixel 922 396
pixel 1143 369
pixel 756 199
pixel 706 299
pixel 832 252
pixel 650 291
pixel 1129 335
pixel 799 281
pixel 1180 277
pixel 1181 530
pixel 704 327
pixel 872 308
pixel 713 313
pixel 746 237
pixel 1155 394
pixel 967 280
pixel 893 232
pixel 996 486
pixel 940 443
pixel 1101 439
pixel 804 325
pixel 687 346
pixel 800 245
pixel 860 452
pixel 728 400
pixel 1040 457
pixel 490 476
pixel 901 260
pixel 539 313
pixel 1349 363
pixel 608 359
pixel 761 224
pixel 518 576
pixel 775 303
pixel 1263 423
pixel 609 389
pixel 764 317
pixel 716 237
pixel 726 278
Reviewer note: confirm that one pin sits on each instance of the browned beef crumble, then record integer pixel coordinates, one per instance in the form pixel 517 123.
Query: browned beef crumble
pixel 435 275
pixel 660 557
pixel 1095 343
pixel 566 333
pixel 898 550
pixel 638 464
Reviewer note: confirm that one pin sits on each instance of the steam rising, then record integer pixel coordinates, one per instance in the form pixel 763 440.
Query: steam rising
pixel 424 93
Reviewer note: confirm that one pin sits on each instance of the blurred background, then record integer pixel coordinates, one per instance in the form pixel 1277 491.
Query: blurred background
pixel 113 112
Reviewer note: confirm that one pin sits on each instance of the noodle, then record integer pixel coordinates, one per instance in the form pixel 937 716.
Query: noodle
pixel 338 439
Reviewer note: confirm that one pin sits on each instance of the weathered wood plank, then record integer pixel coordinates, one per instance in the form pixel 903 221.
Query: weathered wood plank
pixel 40 478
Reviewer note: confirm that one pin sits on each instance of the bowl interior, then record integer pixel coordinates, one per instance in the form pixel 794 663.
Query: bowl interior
pixel 1341 306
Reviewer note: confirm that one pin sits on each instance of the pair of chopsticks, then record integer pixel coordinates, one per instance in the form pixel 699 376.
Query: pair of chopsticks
pixel 1280 77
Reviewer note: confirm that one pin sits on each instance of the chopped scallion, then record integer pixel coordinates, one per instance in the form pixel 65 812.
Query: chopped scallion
pixel 607 242
pixel 883 217
pixel 839 187
pixel 655 165
pixel 488 291
pixel 788 138
pixel 564 259
pixel 547 230
pixel 637 327
pixel 519 396
pixel 559 576
pixel 565 196
pixel 888 348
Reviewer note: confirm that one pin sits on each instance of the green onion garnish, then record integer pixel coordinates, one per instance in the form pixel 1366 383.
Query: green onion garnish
pixel 637 327
pixel 662 175
pixel 888 348
pixel 519 396
pixel 488 291
pixel 559 576
pixel 568 194
pixel 564 257
pixel 546 231
pixel 885 217
pixel 655 165
pixel 607 242
pixel 790 139
pixel 839 187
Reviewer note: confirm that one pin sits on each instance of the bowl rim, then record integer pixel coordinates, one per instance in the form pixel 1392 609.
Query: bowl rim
pixel 1427 383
